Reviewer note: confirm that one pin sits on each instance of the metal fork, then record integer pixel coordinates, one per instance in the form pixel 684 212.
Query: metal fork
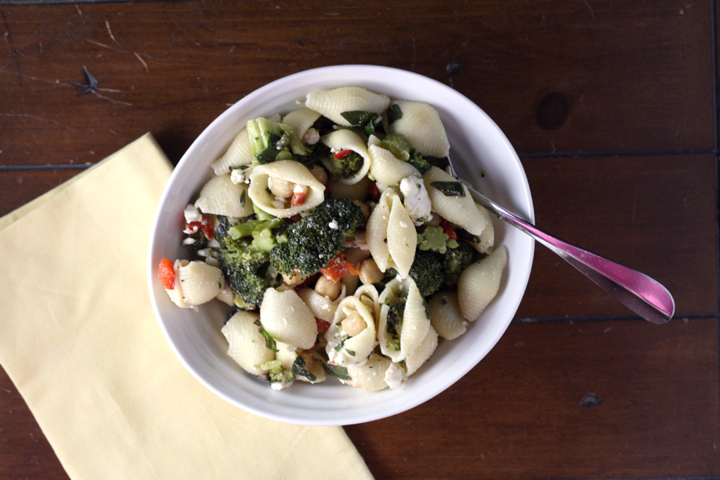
pixel 635 290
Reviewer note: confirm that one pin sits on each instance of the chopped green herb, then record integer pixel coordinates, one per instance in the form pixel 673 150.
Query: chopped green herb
pixel 393 114
pixel 364 120
pixel 269 340
pixel 336 371
pixel 299 369
pixel 395 322
pixel 342 342
pixel 450 189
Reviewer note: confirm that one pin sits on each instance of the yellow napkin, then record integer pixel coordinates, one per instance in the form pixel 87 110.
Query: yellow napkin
pixel 79 340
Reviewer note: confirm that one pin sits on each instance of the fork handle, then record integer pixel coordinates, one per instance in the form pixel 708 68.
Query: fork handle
pixel 635 290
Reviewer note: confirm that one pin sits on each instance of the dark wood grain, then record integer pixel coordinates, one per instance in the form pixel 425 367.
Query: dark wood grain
pixel 24 450
pixel 634 75
pixel 517 414
pixel 611 106
pixel 17 187
pixel 654 214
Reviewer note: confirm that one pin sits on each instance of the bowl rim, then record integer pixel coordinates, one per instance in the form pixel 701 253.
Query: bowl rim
pixel 526 208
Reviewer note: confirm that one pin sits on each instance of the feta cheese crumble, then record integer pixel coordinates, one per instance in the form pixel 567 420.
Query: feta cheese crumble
pixel 240 175
pixel 394 376
pixel 417 201
pixel 192 214
pixel 311 137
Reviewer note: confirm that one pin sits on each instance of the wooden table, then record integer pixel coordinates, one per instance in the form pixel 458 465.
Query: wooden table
pixel 612 107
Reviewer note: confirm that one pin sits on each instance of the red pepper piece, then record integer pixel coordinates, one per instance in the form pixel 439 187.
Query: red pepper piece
pixel 205 227
pixel 322 325
pixel 342 154
pixel 298 199
pixel 450 232
pixel 166 273
pixel 338 267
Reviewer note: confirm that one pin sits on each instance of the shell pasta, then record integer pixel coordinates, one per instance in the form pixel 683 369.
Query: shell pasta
pixel 339 243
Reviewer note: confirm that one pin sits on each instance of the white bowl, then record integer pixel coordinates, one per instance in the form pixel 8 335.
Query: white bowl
pixel 195 337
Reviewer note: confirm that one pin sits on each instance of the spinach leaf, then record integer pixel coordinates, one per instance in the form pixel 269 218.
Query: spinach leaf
pixel 299 369
pixel 450 189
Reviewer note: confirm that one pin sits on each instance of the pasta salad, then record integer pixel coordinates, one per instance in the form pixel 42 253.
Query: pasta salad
pixel 340 241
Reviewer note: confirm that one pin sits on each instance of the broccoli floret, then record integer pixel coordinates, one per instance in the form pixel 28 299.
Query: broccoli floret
pixel 261 214
pixel 276 372
pixel 316 239
pixel 419 162
pixel 395 322
pixel 261 231
pixel 271 141
pixel 454 261
pixel 397 145
pixel 222 226
pixel 244 259
pixel 427 271
pixel 433 238
pixel 390 273
pixel 347 166
pixel 404 151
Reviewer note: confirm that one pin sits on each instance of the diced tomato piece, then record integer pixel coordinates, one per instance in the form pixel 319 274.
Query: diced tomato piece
pixel 166 272
pixel 322 325
pixel 342 154
pixel 449 231
pixel 298 199
pixel 204 226
pixel 338 267
pixel 374 192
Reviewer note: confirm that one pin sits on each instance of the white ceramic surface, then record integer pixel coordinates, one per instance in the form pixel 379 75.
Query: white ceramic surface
pixel 195 336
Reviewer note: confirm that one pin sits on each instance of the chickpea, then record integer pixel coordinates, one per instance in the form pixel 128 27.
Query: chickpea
pixel 354 324
pixel 357 255
pixel 370 273
pixel 280 188
pixel 320 174
pixel 328 288
pixel 296 279
pixel 351 283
